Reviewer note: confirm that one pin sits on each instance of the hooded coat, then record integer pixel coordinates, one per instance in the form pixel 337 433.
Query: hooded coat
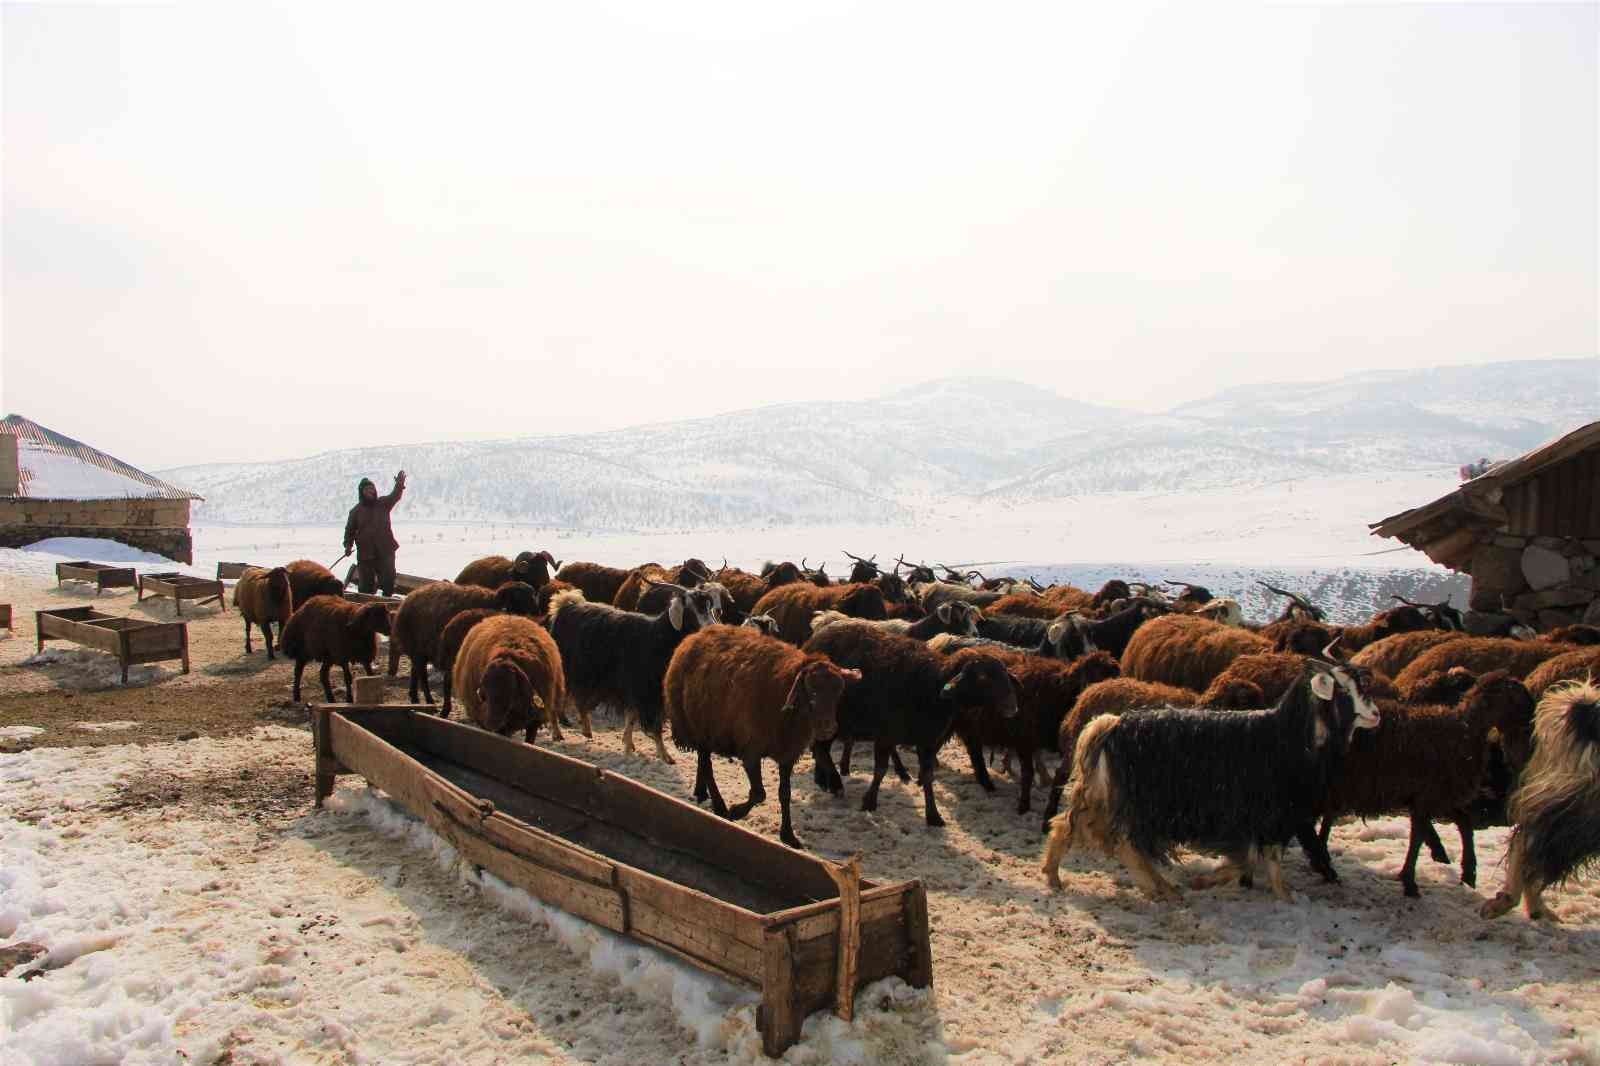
pixel 368 525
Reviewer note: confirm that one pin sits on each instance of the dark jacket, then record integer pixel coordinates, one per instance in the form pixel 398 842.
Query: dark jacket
pixel 368 525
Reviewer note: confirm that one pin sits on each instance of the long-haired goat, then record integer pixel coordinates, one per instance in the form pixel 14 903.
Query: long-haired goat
pixel 619 657
pixel 1556 808
pixel 1241 782
pixel 735 692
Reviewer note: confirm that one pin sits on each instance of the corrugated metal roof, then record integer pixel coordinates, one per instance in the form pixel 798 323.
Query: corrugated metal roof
pixel 53 466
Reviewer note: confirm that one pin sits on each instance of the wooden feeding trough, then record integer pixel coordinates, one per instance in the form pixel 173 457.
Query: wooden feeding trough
pixel 804 931
pixel 182 587
pixel 101 575
pixel 131 640
pixel 234 571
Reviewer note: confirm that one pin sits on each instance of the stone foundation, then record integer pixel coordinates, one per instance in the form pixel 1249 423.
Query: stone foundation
pixel 1543 582
pixel 173 543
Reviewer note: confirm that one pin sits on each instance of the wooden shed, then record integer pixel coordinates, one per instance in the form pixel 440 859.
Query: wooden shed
pixel 54 486
pixel 1528 531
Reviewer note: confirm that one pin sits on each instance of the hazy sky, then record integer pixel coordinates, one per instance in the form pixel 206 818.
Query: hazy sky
pixel 253 231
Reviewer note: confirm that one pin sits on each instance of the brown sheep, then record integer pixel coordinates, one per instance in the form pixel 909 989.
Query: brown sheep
pixel 1120 694
pixel 492 571
pixel 1391 655
pixel 1067 598
pixel 449 646
pixel 330 630
pixel 425 612
pixel 548 591
pixel 264 597
pixel 1180 649
pixel 732 691
pixel 1574 665
pixel 1481 655
pixel 744 587
pixel 1580 634
pixel 1430 760
pixel 1025 605
pixel 600 584
pixel 1047 690
pixel 508 671
pixel 308 578
pixel 793 605
pixel 1271 674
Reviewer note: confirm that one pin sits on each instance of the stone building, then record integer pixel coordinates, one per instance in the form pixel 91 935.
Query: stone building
pixel 1528 531
pixel 54 486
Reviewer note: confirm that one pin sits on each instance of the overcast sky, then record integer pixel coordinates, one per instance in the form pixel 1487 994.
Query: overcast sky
pixel 252 231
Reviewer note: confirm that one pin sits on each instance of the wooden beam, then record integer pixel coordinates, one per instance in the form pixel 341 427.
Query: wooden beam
pixel 847 876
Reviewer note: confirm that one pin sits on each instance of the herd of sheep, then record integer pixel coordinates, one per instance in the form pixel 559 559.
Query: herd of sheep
pixel 1178 723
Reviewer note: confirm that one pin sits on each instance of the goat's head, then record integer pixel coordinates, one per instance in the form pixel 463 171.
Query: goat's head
pixel 776 574
pixel 1298 607
pixel 1437 615
pixel 893 587
pixel 764 623
pixel 1093 668
pixel 864 569
pixel 1344 695
pixel 1070 636
pixel 1225 610
pixel 959 617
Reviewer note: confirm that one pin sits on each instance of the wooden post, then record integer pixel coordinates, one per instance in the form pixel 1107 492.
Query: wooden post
pixel 920 972
pixel 370 690
pixel 848 877
pixel 779 1015
pixel 327 767
pixel 183 645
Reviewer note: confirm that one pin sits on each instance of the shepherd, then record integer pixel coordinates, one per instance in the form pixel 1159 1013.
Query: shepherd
pixel 367 531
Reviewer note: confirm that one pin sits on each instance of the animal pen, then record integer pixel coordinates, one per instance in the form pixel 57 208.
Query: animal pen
pixel 130 640
pixel 805 932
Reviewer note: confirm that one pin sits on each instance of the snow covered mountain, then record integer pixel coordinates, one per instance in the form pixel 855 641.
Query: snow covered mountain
pixel 978 440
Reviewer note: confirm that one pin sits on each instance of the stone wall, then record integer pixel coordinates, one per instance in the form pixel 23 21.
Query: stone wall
pixel 173 543
pixel 1543 582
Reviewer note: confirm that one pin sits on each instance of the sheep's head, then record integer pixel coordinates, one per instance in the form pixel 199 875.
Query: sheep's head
pixel 1092 668
pixel 1237 694
pixel 817 689
pixel 279 589
pixel 506 700
pixel 517 597
pixel 372 619
pixel 1111 591
pixel 978 680
pixel 1507 703
pixel 1443 686
pixel 534 568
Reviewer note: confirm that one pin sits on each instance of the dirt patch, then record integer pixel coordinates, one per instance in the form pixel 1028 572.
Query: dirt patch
pixel 271 795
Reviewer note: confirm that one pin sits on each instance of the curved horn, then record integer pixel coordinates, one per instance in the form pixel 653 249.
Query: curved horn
pixel 653 583
pixel 1300 601
pixel 1330 653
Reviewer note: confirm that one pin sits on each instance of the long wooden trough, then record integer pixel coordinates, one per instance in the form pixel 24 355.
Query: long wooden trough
pixel 131 640
pixel 179 587
pixel 101 575
pixel 804 931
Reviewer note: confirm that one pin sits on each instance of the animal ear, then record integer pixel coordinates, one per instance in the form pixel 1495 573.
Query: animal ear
pixel 850 676
pixel 949 690
pixel 675 612
pixel 1016 684
pixel 538 703
pixel 1055 631
pixel 943 611
pixel 1322 685
pixel 791 702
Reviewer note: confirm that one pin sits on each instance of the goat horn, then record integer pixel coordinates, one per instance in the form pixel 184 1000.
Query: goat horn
pixel 665 584
pixel 1329 653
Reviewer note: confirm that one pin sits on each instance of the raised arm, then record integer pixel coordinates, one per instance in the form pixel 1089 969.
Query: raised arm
pixel 399 490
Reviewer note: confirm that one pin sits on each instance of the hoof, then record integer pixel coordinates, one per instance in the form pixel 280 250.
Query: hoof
pixel 793 841
pixel 1497 906
pixel 935 822
pixel 1412 892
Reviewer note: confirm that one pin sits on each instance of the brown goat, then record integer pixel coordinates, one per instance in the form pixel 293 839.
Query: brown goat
pixel 508 672
pixel 1393 654
pixel 1576 665
pixel 425 612
pixel 1183 650
pixel 744 587
pixel 1481 655
pixel 331 630
pixel 1047 690
pixel 600 584
pixel 548 591
pixel 1429 760
pixel 308 578
pixel 1025 605
pixel 1581 634
pixel 264 597
pixel 793 605
pixel 735 692
pixel 492 571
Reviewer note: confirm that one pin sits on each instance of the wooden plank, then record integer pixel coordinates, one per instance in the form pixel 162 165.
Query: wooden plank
pixel 848 877
pixel 574 783
pixel 707 945
pixel 885 952
pixel 919 969
pixel 823 919
pixel 233 571
pixel 371 689
pixel 647 889
pixel 778 1017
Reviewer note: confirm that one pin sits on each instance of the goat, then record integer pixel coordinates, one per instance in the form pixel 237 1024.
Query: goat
pixel 600 584
pixel 960 619
pixel 1298 609
pixel 1569 666
pixel 617 656
pixel 1390 655
pixel 264 597
pixel 508 671
pixel 762 623
pixel 1271 674
pixel 907 695
pixel 492 571
pixel 1556 808
pixel 1481 655
pixel 736 692
pixel 331 631
pixel 424 613
pixel 1241 782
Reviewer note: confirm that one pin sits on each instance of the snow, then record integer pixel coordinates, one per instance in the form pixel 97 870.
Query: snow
pixel 19 732
pixel 40 558
pixel 59 476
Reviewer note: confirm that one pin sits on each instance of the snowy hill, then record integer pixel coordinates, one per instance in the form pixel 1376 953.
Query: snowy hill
pixel 889 460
